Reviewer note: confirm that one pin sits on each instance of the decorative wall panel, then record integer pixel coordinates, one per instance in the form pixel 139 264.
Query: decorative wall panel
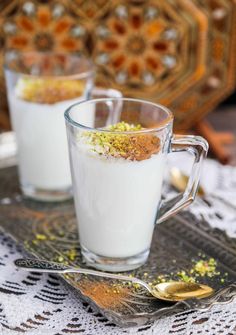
pixel 181 53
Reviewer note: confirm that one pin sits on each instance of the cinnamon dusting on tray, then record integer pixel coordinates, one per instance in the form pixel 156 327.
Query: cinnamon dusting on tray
pixel 105 295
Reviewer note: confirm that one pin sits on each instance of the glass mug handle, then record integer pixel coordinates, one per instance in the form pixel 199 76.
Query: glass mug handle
pixel 198 147
pixel 114 107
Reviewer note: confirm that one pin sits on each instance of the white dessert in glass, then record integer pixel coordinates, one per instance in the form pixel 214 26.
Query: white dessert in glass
pixel 117 189
pixel 117 171
pixel 37 112
pixel 40 87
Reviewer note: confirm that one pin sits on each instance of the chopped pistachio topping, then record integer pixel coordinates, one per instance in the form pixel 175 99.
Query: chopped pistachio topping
pixel 60 259
pixel 124 126
pixel 200 268
pixel 132 147
pixel 206 268
pixel 72 254
pixel 41 237
pixel 185 277
pixel 48 90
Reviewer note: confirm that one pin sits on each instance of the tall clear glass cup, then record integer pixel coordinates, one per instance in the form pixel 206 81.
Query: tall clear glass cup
pixel 40 86
pixel 118 158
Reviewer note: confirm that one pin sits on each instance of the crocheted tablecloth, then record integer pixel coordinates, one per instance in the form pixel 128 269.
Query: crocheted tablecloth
pixel 36 304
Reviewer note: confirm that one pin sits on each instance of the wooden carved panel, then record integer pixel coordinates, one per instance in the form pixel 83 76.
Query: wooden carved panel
pixel 179 53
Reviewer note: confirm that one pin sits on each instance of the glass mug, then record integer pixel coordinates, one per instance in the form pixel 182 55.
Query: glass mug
pixel 40 87
pixel 118 157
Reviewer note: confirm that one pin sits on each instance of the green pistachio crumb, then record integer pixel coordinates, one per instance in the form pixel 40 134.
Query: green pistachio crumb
pixel 124 126
pixel 41 237
pixel 60 259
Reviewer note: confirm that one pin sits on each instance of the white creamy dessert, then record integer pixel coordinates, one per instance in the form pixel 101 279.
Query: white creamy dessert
pixel 38 121
pixel 117 193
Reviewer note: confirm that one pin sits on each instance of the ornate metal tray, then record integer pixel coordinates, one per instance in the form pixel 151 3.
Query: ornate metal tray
pixel 49 231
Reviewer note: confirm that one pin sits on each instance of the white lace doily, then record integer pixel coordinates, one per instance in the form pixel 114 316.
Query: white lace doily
pixel 38 304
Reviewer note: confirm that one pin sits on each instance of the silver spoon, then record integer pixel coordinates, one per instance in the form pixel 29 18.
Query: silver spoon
pixel 170 291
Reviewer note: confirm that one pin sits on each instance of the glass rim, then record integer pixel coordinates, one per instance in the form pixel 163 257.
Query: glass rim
pixel 80 75
pixel 165 124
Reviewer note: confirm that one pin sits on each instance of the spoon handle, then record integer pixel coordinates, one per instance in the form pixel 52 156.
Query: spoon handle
pixel 38 265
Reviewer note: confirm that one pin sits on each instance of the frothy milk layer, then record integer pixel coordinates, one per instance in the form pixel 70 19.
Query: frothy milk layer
pixel 116 201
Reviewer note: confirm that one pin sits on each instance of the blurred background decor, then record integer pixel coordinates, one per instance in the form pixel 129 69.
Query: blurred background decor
pixel 180 53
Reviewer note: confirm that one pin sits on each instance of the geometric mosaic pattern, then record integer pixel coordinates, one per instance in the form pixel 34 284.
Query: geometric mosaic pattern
pixel 179 53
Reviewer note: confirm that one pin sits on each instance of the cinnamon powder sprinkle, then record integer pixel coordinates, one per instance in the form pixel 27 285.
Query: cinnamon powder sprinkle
pixel 135 147
pixel 48 90
pixel 105 295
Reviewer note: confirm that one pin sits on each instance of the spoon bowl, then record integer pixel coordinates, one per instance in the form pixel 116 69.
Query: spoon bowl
pixel 179 181
pixel 169 291
pixel 178 291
